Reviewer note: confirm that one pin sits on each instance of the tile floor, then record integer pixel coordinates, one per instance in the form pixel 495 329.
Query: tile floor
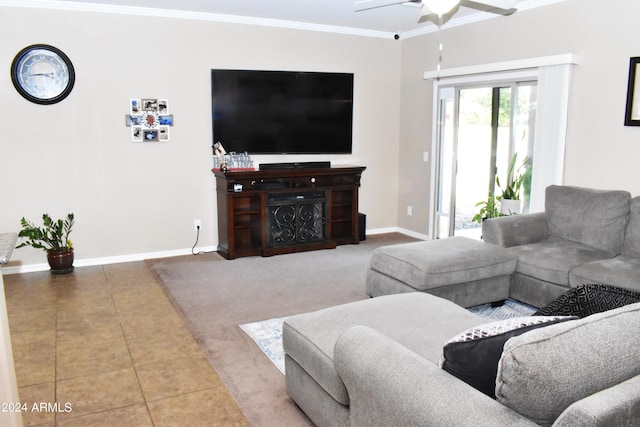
pixel 106 342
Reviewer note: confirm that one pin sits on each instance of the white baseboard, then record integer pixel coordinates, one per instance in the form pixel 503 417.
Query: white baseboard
pixel 398 230
pixel 31 268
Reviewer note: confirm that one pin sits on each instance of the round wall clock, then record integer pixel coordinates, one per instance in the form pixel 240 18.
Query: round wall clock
pixel 42 74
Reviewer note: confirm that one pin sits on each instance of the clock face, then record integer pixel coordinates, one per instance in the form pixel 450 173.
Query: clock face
pixel 42 74
pixel 150 119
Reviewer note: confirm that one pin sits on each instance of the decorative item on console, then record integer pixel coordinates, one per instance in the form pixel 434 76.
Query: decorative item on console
pixel 231 161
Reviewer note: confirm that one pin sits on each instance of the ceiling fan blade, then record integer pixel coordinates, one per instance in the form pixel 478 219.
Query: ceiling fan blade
pixel 428 16
pixel 446 8
pixel 425 13
pixel 501 7
pixel 499 4
pixel 388 3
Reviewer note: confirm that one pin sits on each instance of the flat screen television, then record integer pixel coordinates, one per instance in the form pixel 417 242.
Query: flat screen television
pixel 282 112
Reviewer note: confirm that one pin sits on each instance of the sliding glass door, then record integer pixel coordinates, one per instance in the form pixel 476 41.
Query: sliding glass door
pixel 480 130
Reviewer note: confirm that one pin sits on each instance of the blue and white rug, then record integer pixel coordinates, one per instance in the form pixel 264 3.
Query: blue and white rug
pixel 267 334
pixel 510 309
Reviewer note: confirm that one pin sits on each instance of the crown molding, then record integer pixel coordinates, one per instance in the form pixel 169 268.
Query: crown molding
pixel 276 23
pixel 196 16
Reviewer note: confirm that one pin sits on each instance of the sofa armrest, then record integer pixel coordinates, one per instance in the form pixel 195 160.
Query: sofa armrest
pixel 514 230
pixel 389 385
pixel 616 406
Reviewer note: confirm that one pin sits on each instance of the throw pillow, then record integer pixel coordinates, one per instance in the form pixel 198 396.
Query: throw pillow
pixel 586 300
pixel 473 355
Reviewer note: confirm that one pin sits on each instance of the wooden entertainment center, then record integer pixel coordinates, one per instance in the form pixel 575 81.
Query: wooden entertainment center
pixel 282 210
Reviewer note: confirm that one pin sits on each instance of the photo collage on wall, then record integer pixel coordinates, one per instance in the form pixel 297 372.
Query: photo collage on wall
pixel 149 120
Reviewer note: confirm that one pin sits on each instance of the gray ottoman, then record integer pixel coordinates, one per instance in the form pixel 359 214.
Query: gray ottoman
pixel 466 271
pixel 421 322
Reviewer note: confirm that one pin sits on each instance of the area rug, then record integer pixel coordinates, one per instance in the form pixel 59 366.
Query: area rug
pixel 267 334
pixel 510 309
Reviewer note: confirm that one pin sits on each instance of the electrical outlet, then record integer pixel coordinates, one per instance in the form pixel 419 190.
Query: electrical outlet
pixel 197 224
pixel 409 210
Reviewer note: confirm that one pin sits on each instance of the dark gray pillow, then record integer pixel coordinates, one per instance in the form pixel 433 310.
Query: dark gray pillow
pixel 473 355
pixel 589 299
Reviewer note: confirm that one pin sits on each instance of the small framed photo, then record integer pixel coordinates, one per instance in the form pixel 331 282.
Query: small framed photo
pixel 218 149
pixel 163 133
pixel 166 120
pixel 136 134
pixel 149 104
pixel 135 106
pixel 150 135
pixel 632 114
pixel 133 119
pixel 163 106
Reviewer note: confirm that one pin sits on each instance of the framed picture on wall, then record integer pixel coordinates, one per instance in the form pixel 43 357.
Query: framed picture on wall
pixel 136 134
pixel 149 119
pixel 150 135
pixel 149 105
pixel 163 106
pixel 135 106
pixel 632 115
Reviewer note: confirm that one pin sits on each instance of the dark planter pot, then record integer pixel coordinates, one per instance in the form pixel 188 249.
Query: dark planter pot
pixel 61 262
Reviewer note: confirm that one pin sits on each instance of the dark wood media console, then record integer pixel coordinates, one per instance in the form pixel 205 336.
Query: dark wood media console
pixel 277 211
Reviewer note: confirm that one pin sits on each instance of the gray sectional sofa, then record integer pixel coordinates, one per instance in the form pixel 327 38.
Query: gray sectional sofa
pixel 584 236
pixel 376 362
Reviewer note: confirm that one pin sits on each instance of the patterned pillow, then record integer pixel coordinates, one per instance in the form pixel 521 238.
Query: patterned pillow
pixel 586 300
pixel 473 355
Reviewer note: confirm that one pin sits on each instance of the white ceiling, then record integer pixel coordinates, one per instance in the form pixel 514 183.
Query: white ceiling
pixel 323 15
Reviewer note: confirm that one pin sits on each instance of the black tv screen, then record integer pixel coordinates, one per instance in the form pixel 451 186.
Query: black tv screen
pixel 282 112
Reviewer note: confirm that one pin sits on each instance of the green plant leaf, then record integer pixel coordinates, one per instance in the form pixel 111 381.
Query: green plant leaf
pixel 54 235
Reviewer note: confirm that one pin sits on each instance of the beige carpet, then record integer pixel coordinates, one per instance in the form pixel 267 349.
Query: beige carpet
pixel 215 296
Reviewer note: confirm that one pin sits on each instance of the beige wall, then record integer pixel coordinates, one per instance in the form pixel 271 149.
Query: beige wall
pixel 600 152
pixel 77 156
pixel 139 199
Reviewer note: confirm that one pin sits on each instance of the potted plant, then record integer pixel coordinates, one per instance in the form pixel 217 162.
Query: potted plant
pixel 489 209
pixel 53 238
pixel 510 202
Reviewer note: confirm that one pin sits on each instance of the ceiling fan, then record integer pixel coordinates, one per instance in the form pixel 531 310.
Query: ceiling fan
pixel 444 7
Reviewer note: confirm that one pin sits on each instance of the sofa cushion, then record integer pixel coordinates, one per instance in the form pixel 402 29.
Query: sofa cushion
pixel 551 260
pixel 473 355
pixel 631 246
pixel 589 299
pixel 596 218
pixel 616 406
pixel 544 371
pixel 434 263
pixel 621 271
pixel 309 338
